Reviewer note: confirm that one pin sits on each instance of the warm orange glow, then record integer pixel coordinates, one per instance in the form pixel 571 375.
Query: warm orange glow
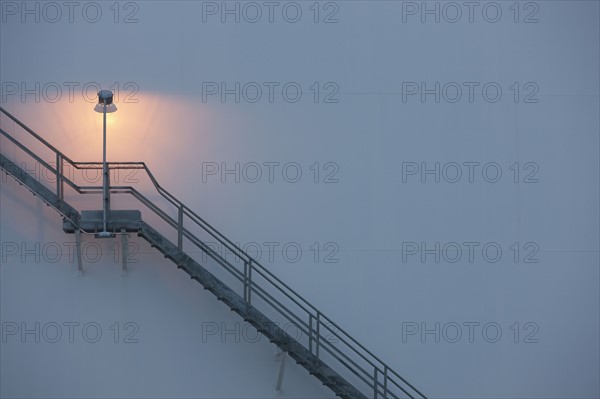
pixel 111 120
pixel 172 134
pixel 155 129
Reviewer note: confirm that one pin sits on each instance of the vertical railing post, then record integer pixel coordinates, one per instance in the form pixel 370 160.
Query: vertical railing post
pixel 248 281
pixel 245 281
pixel 59 177
pixel 310 333
pixel 180 233
pixel 385 379
pixel 375 383
pixel 318 344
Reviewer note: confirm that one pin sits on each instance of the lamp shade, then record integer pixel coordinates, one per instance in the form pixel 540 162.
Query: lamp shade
pixel 105 99
pixel 109 108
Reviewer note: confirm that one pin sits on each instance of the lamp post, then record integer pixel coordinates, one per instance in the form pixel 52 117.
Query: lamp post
pixel 105 106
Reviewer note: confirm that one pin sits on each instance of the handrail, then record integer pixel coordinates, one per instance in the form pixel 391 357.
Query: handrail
pixel 379 369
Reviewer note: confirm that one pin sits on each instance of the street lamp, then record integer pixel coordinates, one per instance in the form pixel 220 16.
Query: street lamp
pixel 105 106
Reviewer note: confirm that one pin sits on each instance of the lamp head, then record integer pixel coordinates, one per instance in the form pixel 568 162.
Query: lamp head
pixel 105 98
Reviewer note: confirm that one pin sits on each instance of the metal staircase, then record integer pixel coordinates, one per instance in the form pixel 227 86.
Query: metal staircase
pixel 323 348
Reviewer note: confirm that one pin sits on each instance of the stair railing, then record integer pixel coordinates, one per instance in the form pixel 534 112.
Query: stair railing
pixel 324 335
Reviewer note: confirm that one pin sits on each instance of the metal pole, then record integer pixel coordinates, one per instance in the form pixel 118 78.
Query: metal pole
pixel 281 370
pixel 249 282
pixel 59 177
pixel 385 379
pixel 310 332
pixel 375 383
pixel 124 254
pixel 245 281
pixel 318 334
pixel 180 235
pixel 105 193
pixel 78 249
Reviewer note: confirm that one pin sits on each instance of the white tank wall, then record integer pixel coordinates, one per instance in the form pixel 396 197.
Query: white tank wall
pixel 171 54
pixel 174 339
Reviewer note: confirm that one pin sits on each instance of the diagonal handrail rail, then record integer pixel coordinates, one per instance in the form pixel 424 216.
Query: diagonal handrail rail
pixel 380 378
